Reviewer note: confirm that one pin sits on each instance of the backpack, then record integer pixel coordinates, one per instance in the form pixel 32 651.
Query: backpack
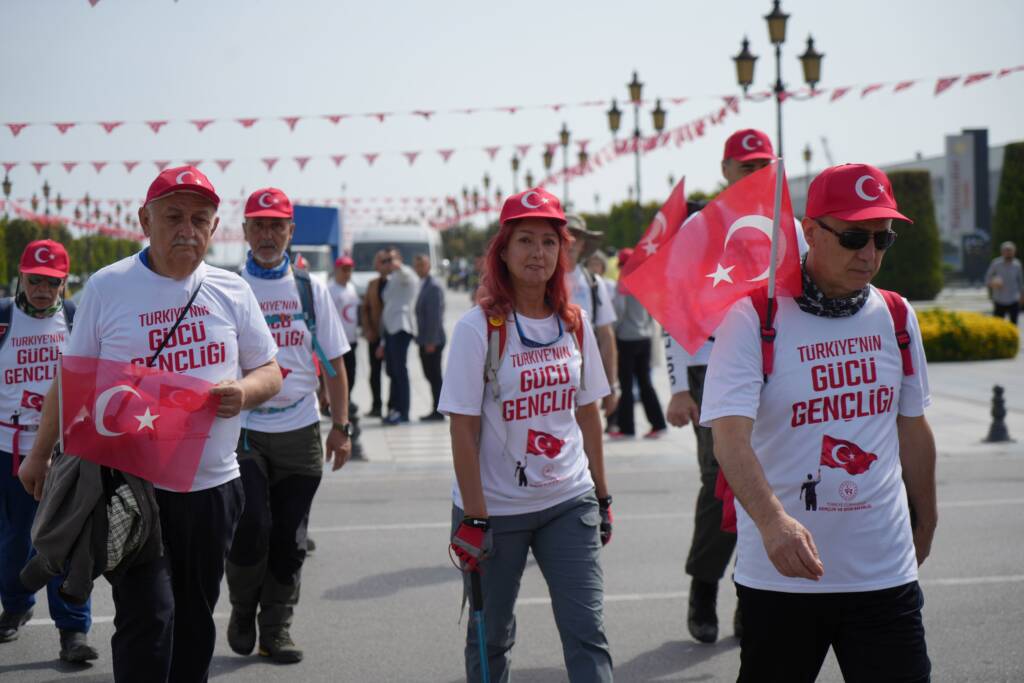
pixel 766 309
pixel 7 313
pixel 497 337
pixel 308 316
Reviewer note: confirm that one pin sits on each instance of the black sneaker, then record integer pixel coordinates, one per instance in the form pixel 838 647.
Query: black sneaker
pixel 242 631
pixel 374 413
pixel 11 623
pixel 280 648
pixel 310 545
pixel 75 647
pixel 433 417
pixel 702 617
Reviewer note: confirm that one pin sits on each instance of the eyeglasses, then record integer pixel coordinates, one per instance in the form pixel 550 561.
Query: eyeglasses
pixel 40 280
pixel 858 239
pixel 531 344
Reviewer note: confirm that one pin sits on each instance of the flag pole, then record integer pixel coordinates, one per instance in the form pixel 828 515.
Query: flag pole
pixel 780 172
pixel 60 402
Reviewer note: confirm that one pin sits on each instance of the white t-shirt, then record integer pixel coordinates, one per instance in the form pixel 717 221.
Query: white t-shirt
pixel 346 302
pixel 833 397
pixel 579 290
pixel 295 406
pixel 533 422
pixel 29 362
pixel 126 308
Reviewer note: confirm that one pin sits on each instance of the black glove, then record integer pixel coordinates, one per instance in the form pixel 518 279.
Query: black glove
pixel 605 506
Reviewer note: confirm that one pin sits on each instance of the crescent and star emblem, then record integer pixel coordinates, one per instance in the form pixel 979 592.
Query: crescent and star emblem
pixel 650 244
pixel 858 187
pixel 265 200
pixel 760 223
pixel 145 420
pixel 39 255
pixel 747 144
pixel 526 200
pixel 180 179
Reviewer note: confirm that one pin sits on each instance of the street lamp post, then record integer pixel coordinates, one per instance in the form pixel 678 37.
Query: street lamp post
pixel 528 178
pixel 7 194
pixel 563 138
pixel 658 114
pixel 515 174
pixel 46 197
pixel 487 203
pixel 810 60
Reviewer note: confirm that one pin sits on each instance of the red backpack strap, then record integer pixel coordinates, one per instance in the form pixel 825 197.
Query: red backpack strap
pixel 899 312
pixel 497 336
pixel 766 315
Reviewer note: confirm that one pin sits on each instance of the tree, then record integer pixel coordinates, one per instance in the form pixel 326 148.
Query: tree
pixel 913 265
pixel 623 228
pixel 17 234
pixel 4 277
pixel 1008 222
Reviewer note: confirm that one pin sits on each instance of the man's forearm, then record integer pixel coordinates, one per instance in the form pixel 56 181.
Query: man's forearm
pixel 609 354
pixel 917 457
pixel 589 419
pixel 337 391
pixel 260 384
pixel 743 471
pixel 49 425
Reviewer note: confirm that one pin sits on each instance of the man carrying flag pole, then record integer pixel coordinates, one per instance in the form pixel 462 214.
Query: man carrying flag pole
pixel 165 309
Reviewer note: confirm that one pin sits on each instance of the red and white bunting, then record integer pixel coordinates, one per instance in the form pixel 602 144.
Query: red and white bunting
pixel 69 166
pixel 491 152
pixel 223 164
pixel 446 154
pixel 193 162
pixel 292 121
pixel 977 78
pixel 302 161
pixel 523 149
pixel 109 126
pixel 9 166
pixel 99 165
pixel 337 159
pixel 371 157
pixel 129 166
pixel 63 128
pixel 380 115
pixel 944 84
pixel 200 124
pixel 16 128
pixel 39 166
pixel 903 85
pixel 425 113
pixel 410 157
pixel 269 162
pixel 334 118
pixel 246 123
pixel 161 165
pixel 155 126
pixel 870 89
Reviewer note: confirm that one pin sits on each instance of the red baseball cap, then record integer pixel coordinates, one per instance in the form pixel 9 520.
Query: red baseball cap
pixel 269 202
pixel 533 203
pixel 182 179
pixel 343 261
pixel 852 192
pixel 747 144
pixel 45 257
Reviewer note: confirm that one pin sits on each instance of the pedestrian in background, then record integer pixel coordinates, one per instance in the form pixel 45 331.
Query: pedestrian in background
pixel 530 478
pixel 1005 281
pixel 634 329
pixel 370 314
pixel 430 331
pixel 399 325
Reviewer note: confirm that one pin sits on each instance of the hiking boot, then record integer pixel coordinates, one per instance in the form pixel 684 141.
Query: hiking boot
pixel 242 631
pixel 279 646
pixel 737 623
pixel 310 545
pixel 702 617
pixel 75 647
pixel 11 622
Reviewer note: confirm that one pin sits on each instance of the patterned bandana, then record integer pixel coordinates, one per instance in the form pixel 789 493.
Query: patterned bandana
pixel 275 273
pixel 814 301
pixel 28 309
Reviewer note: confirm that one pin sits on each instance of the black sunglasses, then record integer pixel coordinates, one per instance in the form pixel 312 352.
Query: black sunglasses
pixel 37 280
pixel 858 239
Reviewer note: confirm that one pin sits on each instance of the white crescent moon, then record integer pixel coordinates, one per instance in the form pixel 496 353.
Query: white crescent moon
pixel 660 227
pixel 858 187
pixel 835 449
pixel 763 224
pixel 39 257
pixel 745 140
pixel 262 197
pixel 101 407
pixel 526 200
pixel 181 177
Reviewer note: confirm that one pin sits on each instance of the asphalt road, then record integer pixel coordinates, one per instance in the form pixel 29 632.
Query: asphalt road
pixel 381 601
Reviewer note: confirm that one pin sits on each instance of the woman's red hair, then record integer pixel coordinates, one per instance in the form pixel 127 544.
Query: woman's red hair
pixel 497 296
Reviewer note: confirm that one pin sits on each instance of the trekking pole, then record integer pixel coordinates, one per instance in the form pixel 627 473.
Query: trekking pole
pixel 478 615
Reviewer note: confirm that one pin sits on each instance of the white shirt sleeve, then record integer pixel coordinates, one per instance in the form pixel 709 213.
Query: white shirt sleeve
pixel 915 394
pixel 734 379
pixel 463 389
pixel 595 380
pixel 329 331
pixel 677 362
pixel 256 346
pixel 85 333
pixel 605 314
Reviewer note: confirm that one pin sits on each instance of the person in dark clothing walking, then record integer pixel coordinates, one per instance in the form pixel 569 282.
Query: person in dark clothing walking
pixel 373 308
pixel 430 331
pixel 809 492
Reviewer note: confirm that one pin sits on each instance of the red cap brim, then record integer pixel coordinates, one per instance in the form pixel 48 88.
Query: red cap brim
pixel 750 156
pixel 869 213
pixel 268 213
pixel 44 270
pixel 190 187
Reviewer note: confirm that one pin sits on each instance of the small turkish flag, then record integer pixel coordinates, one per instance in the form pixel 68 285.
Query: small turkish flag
pixel 139 420
pixel 845 455
pixel 31 400
pixel 721 256
pixel 664 226
pixel 542 443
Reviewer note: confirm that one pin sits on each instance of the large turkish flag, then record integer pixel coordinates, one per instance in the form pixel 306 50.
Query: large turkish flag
pixel 720 256
pixel 845 455
pixel 140 420
pixel 664 226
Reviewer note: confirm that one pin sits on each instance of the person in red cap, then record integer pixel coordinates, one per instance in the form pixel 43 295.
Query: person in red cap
pixel 34 327
pixel 526 441
pixel 164 627
pixel 346 301
pixel 845 395
pixel 280 450
pixel 711 547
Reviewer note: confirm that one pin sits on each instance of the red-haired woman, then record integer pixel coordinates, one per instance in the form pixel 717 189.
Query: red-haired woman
pixel 521 389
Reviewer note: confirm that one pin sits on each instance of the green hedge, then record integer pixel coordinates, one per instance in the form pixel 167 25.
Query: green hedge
pixel 913 265
pixel 963 335
pixel 1008 222
pixel 88 254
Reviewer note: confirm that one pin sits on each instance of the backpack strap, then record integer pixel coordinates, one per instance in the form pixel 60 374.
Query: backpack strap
pixel 6 313
pixel 595 300
pixel 305 287
pixel 69 313
pixel 577 336
pixel 899 312
pixel 497 337
pixel 766 309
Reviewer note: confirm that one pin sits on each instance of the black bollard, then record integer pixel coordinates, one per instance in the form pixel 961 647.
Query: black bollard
pixel 997 433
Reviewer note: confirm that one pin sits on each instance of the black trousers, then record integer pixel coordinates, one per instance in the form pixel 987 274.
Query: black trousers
pixel 1010 311
pixel 635 363
pixel 876 635
pixel 376 365
pixel 431 363
pixel 711 547
pixel 350 367
pixel 163 610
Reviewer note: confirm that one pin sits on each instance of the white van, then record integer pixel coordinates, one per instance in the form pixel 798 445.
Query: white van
pixel 410 240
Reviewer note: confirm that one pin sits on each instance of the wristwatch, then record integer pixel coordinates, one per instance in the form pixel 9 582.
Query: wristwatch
pixel 345 428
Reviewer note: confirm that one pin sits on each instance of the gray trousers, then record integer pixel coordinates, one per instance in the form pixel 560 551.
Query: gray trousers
pixel 566 545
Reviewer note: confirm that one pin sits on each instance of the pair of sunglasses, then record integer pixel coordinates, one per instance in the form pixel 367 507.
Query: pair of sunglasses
pixel 37 280
pixel 858 239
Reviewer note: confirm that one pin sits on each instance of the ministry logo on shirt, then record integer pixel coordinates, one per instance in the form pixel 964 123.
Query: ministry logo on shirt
pixel 542 443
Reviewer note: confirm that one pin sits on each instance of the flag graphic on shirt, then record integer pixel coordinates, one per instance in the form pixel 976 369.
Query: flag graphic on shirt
pixel 845 455
pixel 140 420
pixel 542 443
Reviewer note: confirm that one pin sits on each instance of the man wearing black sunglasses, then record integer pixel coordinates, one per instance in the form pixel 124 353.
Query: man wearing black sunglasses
pixel 843 390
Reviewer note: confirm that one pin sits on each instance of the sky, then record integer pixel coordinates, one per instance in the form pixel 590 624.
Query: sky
pixel 138 60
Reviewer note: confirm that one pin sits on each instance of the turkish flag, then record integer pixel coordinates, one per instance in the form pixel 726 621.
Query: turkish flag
pixel 664 226
pixel 140 420
pixel 542 443
pixel 719 257
pixel 845 455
